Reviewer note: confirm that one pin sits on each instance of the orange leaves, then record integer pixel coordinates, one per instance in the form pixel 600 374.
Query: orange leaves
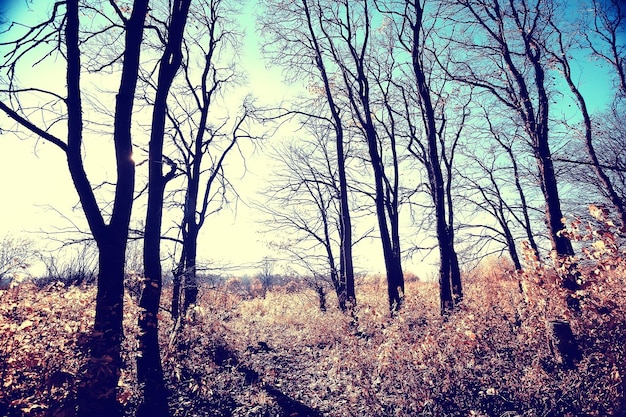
pixel 489 357
pixel 25 325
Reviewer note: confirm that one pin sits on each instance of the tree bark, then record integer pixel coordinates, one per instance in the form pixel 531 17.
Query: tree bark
pixel 563 344
pixel 450 287
pixel 347 293
pixel 100 376
pixel 190 282
pixel 97 389
pixel 149 367
pixel 177 274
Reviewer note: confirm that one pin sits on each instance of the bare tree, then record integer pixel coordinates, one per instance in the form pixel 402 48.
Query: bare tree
pixel 16 256
pixel 604 35
pixel 499 183
pixel 266 274
pixel 433 139
pixel 66 36
pixel 560 52
pixel 303 201
pixel 347 29
pixel 285 32
pixel 170 31
pixel 203 135
pixel 506 38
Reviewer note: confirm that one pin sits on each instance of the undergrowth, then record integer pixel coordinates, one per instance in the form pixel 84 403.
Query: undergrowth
pixel 241 356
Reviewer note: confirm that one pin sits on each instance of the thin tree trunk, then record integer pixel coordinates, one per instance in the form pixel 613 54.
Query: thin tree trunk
pixel 510 243
pixel 190 279
pixel 346 269
pixel 176 287
pixel 149 367
pixel 455 273
pixel 526 224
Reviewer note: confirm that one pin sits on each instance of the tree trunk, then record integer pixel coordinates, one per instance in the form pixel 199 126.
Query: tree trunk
pixel 149 368
pixel 526 224
pixel 346 267
pixel 563 344
pixel 537 126
pixel 510 242
pixel 321 294
pixel 392 261
pixel 176 286
pixel 190 280
pixel 455 273
pixel 449 273
pixel 97 391
pixel 393 265
pixel 554 216
pixel 339 283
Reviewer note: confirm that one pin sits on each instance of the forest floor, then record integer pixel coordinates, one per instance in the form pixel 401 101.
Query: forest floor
pixel 279 355
pixel 245 352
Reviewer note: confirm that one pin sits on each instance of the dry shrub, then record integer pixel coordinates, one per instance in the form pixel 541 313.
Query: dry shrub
pixel 490 357
pixel 234 285
pixel 44 334
pixel 410 277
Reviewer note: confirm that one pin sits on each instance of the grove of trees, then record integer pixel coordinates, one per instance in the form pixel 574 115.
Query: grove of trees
pixel 453 126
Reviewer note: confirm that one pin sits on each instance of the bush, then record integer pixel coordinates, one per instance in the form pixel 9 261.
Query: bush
pixel 246 356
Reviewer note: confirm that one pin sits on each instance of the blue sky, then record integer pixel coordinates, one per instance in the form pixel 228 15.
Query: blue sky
pixel 36 187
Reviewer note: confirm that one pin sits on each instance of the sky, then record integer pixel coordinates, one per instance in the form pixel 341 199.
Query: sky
pixel 38 196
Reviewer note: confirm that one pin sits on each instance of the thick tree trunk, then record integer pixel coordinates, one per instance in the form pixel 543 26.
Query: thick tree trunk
pixel 450 287
pixel 97 392
pixel 149 368
pixel 446 302
pixel 563 344
pixel 455 269
pixel 554 216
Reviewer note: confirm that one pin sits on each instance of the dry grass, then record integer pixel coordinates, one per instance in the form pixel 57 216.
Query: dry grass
pixel 281 356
